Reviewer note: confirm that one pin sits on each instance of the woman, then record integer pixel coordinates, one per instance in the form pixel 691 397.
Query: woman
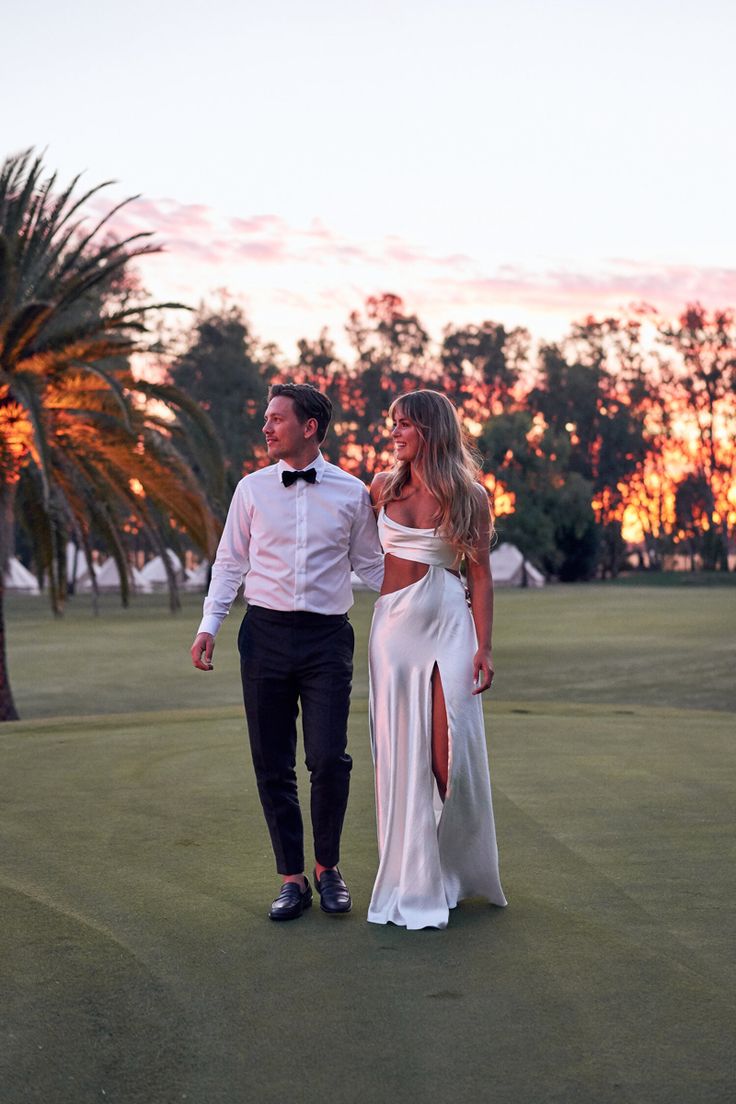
pixel 430 659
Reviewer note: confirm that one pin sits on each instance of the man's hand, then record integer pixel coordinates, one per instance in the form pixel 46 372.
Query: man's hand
pixel 202 649
pixel 482 670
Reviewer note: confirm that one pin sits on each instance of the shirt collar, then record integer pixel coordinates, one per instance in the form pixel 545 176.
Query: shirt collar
pixel 318 464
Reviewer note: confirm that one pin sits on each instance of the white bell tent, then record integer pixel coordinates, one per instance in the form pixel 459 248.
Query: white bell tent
pixel 511 569
pixel 108 578
pixel 19 579
pixel 154 572
pixel 197 577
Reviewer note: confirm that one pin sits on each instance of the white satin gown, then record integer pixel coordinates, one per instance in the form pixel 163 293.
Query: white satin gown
pixel 431 854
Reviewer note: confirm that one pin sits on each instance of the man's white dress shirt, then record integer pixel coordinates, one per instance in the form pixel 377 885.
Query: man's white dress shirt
pixel 295 546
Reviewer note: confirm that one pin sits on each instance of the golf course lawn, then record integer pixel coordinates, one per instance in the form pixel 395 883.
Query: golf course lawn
pixel 138 965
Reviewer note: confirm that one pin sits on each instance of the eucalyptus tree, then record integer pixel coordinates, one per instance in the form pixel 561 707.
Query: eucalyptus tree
pixel 700 357
pixel 553 521
pixel 81 444
pixel 391 355
pixel 591 391
pixel 226 372
pixel 482 366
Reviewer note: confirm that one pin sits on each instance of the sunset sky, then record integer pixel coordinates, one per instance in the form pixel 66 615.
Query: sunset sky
pixel 528 162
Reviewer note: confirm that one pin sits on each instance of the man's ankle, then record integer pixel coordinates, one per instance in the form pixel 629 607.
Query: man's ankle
pixel 319 869
pixel 299 879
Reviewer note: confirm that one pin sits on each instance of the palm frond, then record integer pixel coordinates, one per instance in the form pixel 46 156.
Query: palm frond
pixel 78 253
pixel 95 449
pixel 23 328
pixel 27 395
pixel 7 280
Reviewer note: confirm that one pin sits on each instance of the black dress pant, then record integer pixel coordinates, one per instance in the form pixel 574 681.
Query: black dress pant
pixel 287 660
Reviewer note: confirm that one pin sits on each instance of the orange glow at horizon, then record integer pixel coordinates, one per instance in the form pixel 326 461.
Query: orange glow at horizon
pixel 503 501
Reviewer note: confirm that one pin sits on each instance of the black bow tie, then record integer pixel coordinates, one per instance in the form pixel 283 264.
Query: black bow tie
pixel 290 477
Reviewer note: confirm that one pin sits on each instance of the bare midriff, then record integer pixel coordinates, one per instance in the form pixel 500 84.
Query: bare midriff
pixel 400 573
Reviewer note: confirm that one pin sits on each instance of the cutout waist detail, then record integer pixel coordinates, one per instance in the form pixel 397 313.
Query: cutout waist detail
pixel 402 573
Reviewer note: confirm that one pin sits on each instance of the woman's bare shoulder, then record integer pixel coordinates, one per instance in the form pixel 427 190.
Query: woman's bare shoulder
pixel 377 485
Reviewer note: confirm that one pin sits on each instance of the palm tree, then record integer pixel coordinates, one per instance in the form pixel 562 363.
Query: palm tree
pixel 82 443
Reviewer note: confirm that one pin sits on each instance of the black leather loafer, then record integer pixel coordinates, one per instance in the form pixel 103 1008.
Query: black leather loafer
pixel 334 895
pixel 291 901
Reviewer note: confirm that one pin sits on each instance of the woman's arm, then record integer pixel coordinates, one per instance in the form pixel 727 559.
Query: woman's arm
pixel 480 585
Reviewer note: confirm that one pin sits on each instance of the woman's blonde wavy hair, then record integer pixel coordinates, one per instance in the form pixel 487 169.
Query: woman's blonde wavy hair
pixel 450 466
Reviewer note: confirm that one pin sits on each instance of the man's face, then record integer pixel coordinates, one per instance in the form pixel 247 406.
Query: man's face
pixel 286 437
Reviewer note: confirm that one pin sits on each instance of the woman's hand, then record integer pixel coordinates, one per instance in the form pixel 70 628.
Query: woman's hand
pixel 482 670
pixel 480 585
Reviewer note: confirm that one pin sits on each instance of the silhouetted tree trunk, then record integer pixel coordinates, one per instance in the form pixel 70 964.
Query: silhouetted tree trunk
pixel 8 712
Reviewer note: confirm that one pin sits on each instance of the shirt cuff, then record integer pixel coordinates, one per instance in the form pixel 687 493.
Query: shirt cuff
pixel 210 624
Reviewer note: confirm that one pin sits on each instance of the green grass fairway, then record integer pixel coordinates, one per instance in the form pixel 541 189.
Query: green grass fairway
pixel 137 963
pixel 670 647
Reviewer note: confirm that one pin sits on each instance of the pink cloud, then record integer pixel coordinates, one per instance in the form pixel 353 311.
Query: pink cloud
pixel 575 292
pixel 167 217
pixel 202 239
pixel 258 250
pixel 259 224
pixel 198 232
pixel 317 229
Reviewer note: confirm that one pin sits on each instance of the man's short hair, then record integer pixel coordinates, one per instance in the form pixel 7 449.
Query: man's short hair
pixel 308 403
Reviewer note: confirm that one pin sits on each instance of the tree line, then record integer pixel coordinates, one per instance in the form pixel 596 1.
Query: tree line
pixel 622 433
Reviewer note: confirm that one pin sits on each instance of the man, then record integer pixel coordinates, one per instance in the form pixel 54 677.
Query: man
pixel 293 531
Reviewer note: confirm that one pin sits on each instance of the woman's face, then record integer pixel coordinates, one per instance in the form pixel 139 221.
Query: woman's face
pixel 405 435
